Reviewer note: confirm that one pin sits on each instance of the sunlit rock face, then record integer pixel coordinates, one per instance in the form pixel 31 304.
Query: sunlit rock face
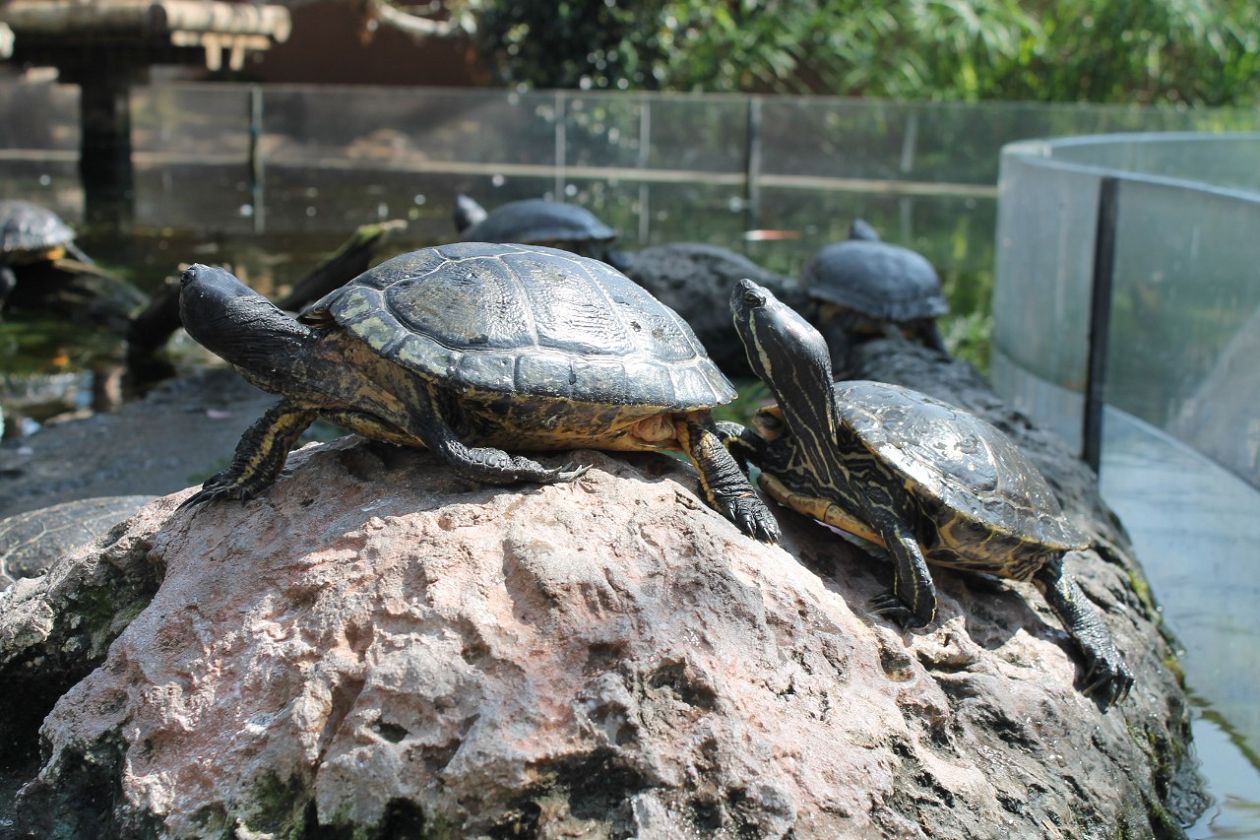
pixel 376 648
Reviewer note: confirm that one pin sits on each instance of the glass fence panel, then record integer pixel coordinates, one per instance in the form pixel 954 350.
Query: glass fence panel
pixel 201 123
pixel 190 150
pixel 1185 319
pixel 407 128
pixel 1230 161
pixel 605 131
pixel 700 134
pixel 43 116
pixel 39 146
pixel 1041 304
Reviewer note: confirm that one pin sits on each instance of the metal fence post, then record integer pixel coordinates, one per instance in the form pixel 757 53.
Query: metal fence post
pixel 752 166
pixel 1100 320
pixel 561 142
pixel 256 164
pixel 645 158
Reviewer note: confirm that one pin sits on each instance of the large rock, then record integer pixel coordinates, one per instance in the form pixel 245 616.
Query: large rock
pixel 376 648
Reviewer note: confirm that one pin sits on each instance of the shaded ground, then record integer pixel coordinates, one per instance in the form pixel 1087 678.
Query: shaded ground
pixel 175 437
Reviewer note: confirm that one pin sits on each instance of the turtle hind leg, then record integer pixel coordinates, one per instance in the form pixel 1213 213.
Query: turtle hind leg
pixel 912 601
pixel 1107 678
pixel 483 464
pixel 259 457
pixel 488 465
pixel 725 486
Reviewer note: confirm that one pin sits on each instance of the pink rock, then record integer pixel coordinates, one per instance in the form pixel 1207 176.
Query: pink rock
pixel 376 645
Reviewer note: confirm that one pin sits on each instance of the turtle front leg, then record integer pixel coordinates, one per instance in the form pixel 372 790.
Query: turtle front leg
pixel 259 457
pixel 484 464
pixel 743 443
pixel 726 487
pixel 912 601
pixel 1106 676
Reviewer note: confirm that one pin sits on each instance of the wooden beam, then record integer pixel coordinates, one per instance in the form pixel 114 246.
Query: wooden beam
pixel 145 17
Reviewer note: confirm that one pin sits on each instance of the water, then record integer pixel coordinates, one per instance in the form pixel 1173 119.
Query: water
pixel 1196 528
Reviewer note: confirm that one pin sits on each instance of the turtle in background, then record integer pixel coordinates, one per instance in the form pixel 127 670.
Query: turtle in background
pixel 865 288
pixel 469 350
pixel 42 270
pixel 695 280
pixel 912 477
pixel 30 233
pixel 539 221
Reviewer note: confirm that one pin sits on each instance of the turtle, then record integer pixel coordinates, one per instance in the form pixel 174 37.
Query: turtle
pixel 864 287
pixel 32 541
pixel 539 221
pixel 30 233
pixel 915 477
pixel 695 280
pixel 469 349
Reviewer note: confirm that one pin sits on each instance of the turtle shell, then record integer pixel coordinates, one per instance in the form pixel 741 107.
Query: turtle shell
pixel 954 458
pixel 27 230
pixel 527 320
pixel 882 281
pixel 539 220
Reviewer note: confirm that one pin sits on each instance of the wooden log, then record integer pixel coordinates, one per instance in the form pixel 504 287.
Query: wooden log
pixel 160 18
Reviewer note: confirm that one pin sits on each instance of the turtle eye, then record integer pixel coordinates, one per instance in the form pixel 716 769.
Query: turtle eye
pixel 754 299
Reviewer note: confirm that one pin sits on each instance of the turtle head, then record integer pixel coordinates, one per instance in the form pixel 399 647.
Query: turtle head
pixel 786 353
pixel 861 230
pixel 233 321
pixel 467 213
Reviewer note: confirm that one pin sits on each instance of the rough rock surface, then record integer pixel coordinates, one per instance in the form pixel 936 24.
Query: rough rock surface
pixel 376 648
pixel 32 541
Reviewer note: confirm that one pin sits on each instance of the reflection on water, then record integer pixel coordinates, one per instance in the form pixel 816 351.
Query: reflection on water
pixel 1196 528
pixel 1232 778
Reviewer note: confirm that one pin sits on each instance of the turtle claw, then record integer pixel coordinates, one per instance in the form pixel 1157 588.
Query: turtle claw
pixel 751 516
pixel 571 471
pixel 523 469
pixel 217 487
pixel 1108 680
pixel 889 606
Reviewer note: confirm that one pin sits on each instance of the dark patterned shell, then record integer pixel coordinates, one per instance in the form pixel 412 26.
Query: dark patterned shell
pixel 517 319
pixel 539 220
pixel 879 280
pixel 957 459
pixel 28 229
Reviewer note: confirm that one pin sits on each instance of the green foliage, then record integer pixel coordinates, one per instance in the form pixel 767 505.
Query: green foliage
pixel 1147 51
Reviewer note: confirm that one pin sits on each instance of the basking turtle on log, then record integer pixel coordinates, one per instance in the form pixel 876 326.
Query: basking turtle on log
pixel 864 288
pixel 469 350
pixel 911 476
pixel 42 270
